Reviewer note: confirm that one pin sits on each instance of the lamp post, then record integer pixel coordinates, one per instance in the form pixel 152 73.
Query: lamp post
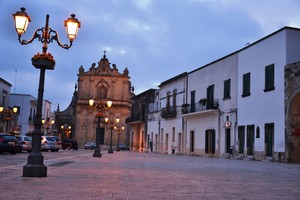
pixel 47 124
pixel 66 131
pixel 119 131
pixel 102 107
pixel 111 125
pixel 7 115
pixel 35 164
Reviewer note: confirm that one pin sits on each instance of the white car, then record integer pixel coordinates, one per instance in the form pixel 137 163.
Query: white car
pixel 25 142
pixel 48 143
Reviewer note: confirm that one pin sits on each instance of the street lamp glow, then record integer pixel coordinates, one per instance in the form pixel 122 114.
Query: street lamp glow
pixel 91 102
pixel 15 109
pixel 21 21
pixel 109 103
pixel 72 24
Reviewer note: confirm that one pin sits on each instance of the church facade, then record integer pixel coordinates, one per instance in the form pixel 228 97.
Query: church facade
pixel 102 82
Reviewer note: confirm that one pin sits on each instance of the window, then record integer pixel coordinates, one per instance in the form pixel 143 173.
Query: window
pixel 210 97
pixel 193 94
pixel 174 99
pixel 173 134
pixel 167 142
pixel 246 85
pixel 226 89
pixel 102 92
pixel 269 78
pixel 168 100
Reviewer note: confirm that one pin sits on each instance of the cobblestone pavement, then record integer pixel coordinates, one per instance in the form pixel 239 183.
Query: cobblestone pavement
pixel 128 175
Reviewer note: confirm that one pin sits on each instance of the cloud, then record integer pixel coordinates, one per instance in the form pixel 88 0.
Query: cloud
pixel 156 40
pixel 144 4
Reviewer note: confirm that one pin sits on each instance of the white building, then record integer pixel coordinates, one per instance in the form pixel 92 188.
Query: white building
pixel 210 116
pixel 27 105
pixel 172 95
pixel 241 104
pixel 154 119
pixel 261 102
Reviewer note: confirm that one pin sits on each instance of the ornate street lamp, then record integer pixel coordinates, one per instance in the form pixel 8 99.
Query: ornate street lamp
pixel 47 124
pixel 66 131
pixel 35 165
pixel 101 106
pixel 119 130
pixel 7 115
pixel 111 124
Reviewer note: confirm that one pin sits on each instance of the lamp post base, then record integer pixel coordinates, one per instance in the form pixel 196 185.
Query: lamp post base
pixel 97 153
pixel 110 151
pixel 35 166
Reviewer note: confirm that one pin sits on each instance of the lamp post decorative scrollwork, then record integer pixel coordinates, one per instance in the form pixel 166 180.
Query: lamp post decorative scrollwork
pixel 102 106
pixel 35 165
pixel 111 124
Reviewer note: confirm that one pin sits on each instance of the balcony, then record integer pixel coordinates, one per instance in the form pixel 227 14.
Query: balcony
pixel 135 119
pixel 168 112
pixel 199 108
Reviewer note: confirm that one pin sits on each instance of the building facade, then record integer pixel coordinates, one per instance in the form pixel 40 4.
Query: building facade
pixel 27 110
pixel 211 112
pixel 243 105
pixel 8 120
pixel 261 94
pixel 292 112
pixel 137 122
pixel 172 95
pixel 65 120
pixel 102 82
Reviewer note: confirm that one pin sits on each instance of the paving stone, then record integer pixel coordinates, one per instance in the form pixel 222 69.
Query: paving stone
pixel 129 175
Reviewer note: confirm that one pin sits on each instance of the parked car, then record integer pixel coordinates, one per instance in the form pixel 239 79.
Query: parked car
pixel 123 147
pixel 25 142
pixel 58 143
pixel 48 143
pixel 90 145
pixel 9 143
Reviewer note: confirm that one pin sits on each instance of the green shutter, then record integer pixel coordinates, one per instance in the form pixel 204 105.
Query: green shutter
pixel 246 84
pixel 269 78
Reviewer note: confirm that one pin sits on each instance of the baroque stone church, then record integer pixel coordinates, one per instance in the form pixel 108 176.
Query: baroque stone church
pixel 100 82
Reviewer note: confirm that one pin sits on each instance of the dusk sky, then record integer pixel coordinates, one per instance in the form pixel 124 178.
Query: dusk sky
pixel 155 39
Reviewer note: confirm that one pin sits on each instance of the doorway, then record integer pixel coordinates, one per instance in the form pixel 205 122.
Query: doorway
pixel 250 140
pixel 192 141
pixel 210 141
pixel 241 138
pixel 269 139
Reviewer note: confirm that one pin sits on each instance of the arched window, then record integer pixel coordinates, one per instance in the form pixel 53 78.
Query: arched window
pixel 102 92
